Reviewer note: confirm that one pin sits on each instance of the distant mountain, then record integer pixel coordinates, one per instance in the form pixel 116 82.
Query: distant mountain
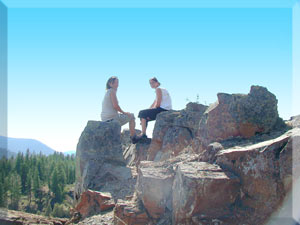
pixel 8 154
pixel 15 145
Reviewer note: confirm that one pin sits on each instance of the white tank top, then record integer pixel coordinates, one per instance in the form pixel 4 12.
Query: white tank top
pixel 166 102
pixel 108 111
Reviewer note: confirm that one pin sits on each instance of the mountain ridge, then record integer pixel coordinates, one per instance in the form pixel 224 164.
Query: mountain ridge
pixel 16 145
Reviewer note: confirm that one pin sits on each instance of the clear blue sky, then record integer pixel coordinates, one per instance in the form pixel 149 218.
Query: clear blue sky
pixel 60 59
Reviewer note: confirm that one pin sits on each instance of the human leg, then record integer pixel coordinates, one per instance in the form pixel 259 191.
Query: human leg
pixel 148 115
pixel 132 127
pixel 144 125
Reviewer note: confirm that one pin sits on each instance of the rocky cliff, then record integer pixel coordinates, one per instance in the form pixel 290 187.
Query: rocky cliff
pixel 227 163
pixel 232 162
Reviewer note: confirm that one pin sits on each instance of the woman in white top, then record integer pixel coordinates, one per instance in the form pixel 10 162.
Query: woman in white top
pixel 161 103
pixel 110 108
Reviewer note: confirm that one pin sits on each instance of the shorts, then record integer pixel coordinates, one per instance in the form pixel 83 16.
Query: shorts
pixel 150 114
pixel 122 118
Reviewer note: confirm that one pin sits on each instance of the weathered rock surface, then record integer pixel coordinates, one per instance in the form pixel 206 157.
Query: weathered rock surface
pixel 230 163
pixel 125 138
pixel 294 121
pixel 135 153
pixel 94 202
pixel 129 212
pixel 209 154
pixel 265 170
pixel 99 158
pixel 105 218
pixel 154 188
pixel 233 115
pixel 239 115
pixel 203 188
pixel 11 217
pixel 174 130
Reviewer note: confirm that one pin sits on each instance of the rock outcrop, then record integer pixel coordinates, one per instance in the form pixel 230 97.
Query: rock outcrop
pixel 265 170
pixel 100 164
pixel 134 154
pixel 203 189
pixel 233 115
pixel 11 217
pixel 130 212
pixel 174 131
pixel 239 115
pixel 94 202
pixel 227 163
pixel 154 188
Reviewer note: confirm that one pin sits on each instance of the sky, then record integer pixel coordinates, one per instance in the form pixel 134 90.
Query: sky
pixel 59 60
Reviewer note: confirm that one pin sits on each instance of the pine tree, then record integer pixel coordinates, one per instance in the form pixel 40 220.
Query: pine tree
pixel 15 190
pixel 29 186
pixel 40 168
pixel 2 196
pixel 62 178
pixel 23 174
pixel 56 187
pixel 36 183
pixel 19 161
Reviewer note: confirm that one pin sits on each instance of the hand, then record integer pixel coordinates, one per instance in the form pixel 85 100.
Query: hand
pixel 128 114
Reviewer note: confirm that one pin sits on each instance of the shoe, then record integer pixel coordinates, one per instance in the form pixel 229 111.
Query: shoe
pixel 134 139
pixel 142 137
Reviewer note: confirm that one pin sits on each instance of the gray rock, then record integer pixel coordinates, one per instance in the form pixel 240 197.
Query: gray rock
pixel 209 154
pixel 294 121
pixel 135 153
pixel 174 131
pixel 202 188
pixel 154 188
pixel 99 157
pixel 125 138
pixel 265 170
pixel 240 115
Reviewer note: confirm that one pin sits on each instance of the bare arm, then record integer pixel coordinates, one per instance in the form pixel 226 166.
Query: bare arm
pixel 153 104
pixel 158 98
pixel 113 97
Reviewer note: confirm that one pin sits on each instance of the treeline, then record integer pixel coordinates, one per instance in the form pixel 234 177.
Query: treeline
pixel 36 178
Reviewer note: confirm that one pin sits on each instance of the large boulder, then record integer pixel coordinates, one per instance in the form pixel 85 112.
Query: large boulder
pixel 131 213
pixel 202 189
pixel 265 170
pixel 233 115
pixel 99 157
pixel 94 202
pixel 135 153
pixel 154 187
pixel 174 131
pixel 240 115
pixel 125 138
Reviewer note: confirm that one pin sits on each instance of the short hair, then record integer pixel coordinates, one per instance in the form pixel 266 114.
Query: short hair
pixel 155 80
pixel 110 80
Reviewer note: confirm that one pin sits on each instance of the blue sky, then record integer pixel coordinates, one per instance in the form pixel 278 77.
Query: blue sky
pixel 60 58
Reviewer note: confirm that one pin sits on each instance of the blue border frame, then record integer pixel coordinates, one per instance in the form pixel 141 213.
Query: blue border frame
pixel 3 79
pixel 295 7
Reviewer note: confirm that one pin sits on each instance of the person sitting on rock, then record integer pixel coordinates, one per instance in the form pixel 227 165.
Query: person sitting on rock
pixel 110 108
pixel 161 103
